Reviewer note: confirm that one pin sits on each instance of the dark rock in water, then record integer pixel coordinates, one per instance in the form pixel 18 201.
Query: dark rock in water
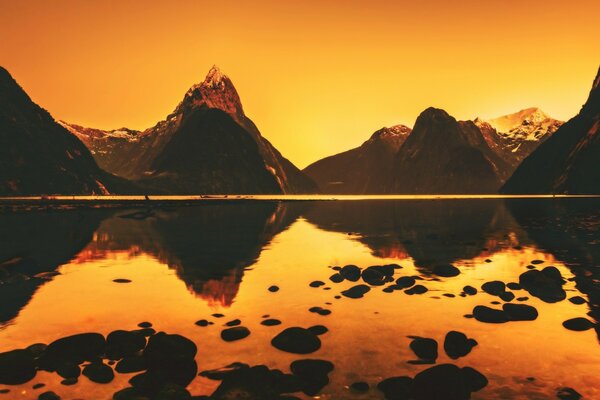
pixel 145 324
pixel 375 276
pixel 273 289
pixel 520 312
pixel 68 370
pixel 234 322
pixel 131 364
pixel 405 282
pixel 68 381
pixel 16 367
pixel 513 286
pixel 545 284
pixel 356 292
pixel 456 344
pixel 36 349
pixel 447 382
pixel 489 315
pixel 470 290
pixel 446 270
pixel 202 322
pixel 220 373
pixel 297 340
pixel 166 347
pixel 172 391
pixel 218 315
pixel 568 393
pixel 359 387
pixel 507 296
pixel 450 295
pixel 271 322
pixel 98 372
pixel 351 273
pixel 417 289
pixel 396 388
pixel 122 280
pixel 254 383
pixel 495 288
pixel 537 262
pixel 578 324
pixel 319 310
pixel 316 284
pixel 424 348
pixel 124 343
pixel 72 349
pixel 146 332
pixel 38 386
pixel 318 329
pixel 313 374
pixel 235 333
pixel 524 298
pixel 336 278
pixel 577 300
pixel 48 396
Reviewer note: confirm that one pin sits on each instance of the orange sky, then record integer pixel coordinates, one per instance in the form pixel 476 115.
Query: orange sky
pixel 317 77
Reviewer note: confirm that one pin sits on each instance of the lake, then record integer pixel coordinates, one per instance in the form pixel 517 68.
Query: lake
pixel 71 269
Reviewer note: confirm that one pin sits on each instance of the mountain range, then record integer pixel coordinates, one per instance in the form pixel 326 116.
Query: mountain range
pixel 207 145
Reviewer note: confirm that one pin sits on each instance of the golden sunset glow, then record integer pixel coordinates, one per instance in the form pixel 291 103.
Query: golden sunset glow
pixel 316 77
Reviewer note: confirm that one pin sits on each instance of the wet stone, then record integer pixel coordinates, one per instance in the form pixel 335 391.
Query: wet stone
pixel 425 348
pixel 356 292
pixel 520 312
pixel 233 334
pixel 417 289
pixel 351 273
pixel 121 280
pixel 319 310
pixel 375 276
pixel 273 289
pixel 68 381
pixel 545 284
pixel 336 278
pixel 258 382
pixel 312 373
pixel 38 385
pixel 523 298
pixel 98 372
pixel 218 315
pixel 271 322
pixel 405 282
pixel 48 396
pixel 567 393
pixel 234 322
pixel 448 382
pixel 318 329
pixel 359 387
pixel 124 343
pixel 73 349
pixel 507 296
pixel 202 322
pixel 16 367
pixel 446 270
pixel 495 288
pixel 578 324
pixel 68 370
pixel 316 284
pixel 513 286
pixel 489 315
pixel 457 344
pixel 297 340
pixel 396 388
pixel 470 290
pixel 145 324
pixel 131 364
pixel 577 300
pixel 220 373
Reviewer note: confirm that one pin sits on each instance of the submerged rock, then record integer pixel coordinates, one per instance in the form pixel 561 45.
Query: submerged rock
pixel 545 284
pixel 396 388
pixel 520 312
pixel 98 372
pixel 297 340
pixel 351 273
pixel 447 382
pixel 405 282
pixel 417 289
pixel 359 387
pixel 578 324
pixel 316 284
pixel 16 367
pixel 73 349
pixel 271 322
pixel 121 343
pixel 235 333
pixel 470 290
pixel 258 382
pixel 425 348
pixel 495 288
pixel 48 396
pixel 356 292
pixel 446 270
pixel 457 344
pixel 489 315
pixel 313 374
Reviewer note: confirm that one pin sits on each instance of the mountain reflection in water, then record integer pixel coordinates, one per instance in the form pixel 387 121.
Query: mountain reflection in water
pixel 225 255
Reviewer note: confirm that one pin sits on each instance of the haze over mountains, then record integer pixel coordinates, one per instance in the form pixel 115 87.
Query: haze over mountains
pixel 207 145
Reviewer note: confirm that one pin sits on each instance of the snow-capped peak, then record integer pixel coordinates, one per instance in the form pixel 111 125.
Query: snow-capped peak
pixel 532 115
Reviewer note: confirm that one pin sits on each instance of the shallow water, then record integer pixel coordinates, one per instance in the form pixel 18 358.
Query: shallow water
pixel 188 262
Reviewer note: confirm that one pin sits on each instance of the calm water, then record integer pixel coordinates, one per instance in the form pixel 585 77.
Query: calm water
pixel 186 263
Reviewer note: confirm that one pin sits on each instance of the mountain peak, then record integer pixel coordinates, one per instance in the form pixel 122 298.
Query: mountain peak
pixel 531 115
pixel 214 77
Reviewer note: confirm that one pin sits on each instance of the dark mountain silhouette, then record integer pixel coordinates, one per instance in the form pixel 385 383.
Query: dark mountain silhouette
pixel 569 161
pixel 38 156
pixel 362 170
pixel 228 153
pixel 442 155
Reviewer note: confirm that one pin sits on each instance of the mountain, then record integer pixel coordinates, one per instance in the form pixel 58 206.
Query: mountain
pixel 228 155
pixel 442 155
pixel 568 162
pixel 38 156
pixel 514 136
pixel 362 170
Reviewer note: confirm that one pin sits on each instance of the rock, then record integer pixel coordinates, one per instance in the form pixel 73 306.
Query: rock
pixel 350 273
pixel 164 347
pixel 446 381
pixel 202 322
pixel 254 383
pixel 36 349
pixel 220 373
pixel 566 393
pixel 396 388
pixel 513 286
pixel 474 380
pixel 218 315
pixel 38 386
pixel 374 276
pixel 48 396
pixel 16 367
pixel 122 280
pixel 124 343
pixel 545 284
pixel 145 324
pixel 424 348
pixel 495 288
pixel 235 333
pixel 271 322
pixel 234 322
pixel 312 373
pixel 318 329
pixel 405 282
pixel 446 270
pixel 68 370
pixel 172 391
pixel 73 349
pixel 578 324
pixel 456 344
pixel 417 289
pixel 537 262
pixel 316 284
pixel 523 298
pixel 297 340
pixel 68 381
pixel 131 364
pixel 273 289
pixel 470 290
pixel 356 292
pixel 98 372
pixel 507 296
pixel 489 315
pixel 336 278
pixel 577 300
pixel 359 387
pixel 319 310
pixel 520 312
